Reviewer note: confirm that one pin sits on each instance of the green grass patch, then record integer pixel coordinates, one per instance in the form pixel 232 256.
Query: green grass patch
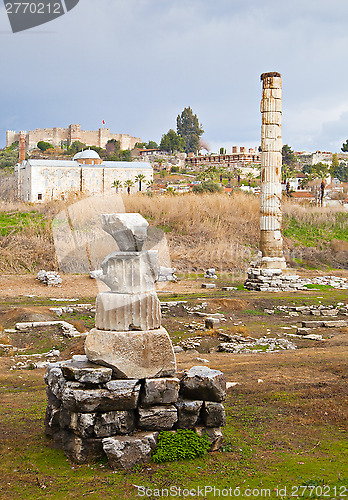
pixel 311 286
pixel 316 231
pixel 19 221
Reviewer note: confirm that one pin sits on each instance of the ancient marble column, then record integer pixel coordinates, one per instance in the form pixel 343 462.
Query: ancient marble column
pixel 271 242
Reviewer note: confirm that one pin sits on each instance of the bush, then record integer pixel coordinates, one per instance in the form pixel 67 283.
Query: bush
pixel 207 187
pixel 179 445
pixel 174 169
pixel 44 145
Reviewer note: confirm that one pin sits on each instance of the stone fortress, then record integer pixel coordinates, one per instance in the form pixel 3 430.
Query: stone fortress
pixel 66 136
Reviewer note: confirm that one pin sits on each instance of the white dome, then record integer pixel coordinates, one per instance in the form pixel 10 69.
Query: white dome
pixel 88 154
pixel 77 156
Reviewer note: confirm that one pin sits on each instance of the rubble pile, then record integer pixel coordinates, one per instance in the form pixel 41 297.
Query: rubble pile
pixel 49 278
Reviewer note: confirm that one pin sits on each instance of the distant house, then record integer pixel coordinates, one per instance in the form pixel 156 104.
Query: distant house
pixel 303 196
pixel 86 173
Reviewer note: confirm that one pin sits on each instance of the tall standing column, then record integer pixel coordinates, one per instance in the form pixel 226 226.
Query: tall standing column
pixel 271 242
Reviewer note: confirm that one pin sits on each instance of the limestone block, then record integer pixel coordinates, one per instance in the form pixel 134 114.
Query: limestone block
pixel 271 159
pixel 214 435
pixel 124 312
pixel 85 372
pixel 126 451
pixel 272 118
pixel 118 395
pixel 80 423
pixel 81 450
pixel 114 422
pixel 55 380
pixel 271 132
pixel 335 324
pixel 147 354
pixel 213 414
pixel 272 82
pixel 130 272
pixel 268 93
pixel 160 391
pixel 188 413
pixel 52 420
pixel 312 324
pixel 211 322
pixel 157 418
pixel 128 230
pixel 272 144
pixel 270 104
pixel 201 382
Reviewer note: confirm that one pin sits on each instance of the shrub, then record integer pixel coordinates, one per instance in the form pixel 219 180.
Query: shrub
pixel 179 445
pixel 44 145
pixel 207 187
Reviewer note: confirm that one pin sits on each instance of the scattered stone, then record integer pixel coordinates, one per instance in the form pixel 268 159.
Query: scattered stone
pixel 96 275
pixel 312 336
pixel 166 274
pixel 229 288
pixel 49 278
pixel 68 330
pixel 211 323
pixel 208 285
pixel 177 349
pixel 312 324
pixel 210 273
pixel 335 324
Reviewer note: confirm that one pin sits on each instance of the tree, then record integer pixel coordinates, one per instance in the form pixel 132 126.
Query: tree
pixel 341 172
pixel 128 184
pixel 125 155
pixel 208 186
pixel 44 145
pixel 152 145
pixel 76 147
pixel 172 142
pixel 344 147
pixel 189 128
pixel 116 184
pixel 139 178
pixel 288 155
pixel 320 170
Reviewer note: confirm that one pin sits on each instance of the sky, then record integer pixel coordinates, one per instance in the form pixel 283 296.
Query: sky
pixel 138 63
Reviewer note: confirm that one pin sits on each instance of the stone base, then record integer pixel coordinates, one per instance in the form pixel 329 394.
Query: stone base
pixel 272 280
pixel 273 263
pixel 132 355
pixel 122 418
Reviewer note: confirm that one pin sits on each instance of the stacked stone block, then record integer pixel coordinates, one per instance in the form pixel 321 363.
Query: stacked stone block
pixel 272 280
pixel 117 398
pixel 91 414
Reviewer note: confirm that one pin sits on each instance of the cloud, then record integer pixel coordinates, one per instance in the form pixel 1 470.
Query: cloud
pixel 138 63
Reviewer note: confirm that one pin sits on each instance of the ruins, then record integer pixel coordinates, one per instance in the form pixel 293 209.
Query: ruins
pixel 116 399
pixel 266 273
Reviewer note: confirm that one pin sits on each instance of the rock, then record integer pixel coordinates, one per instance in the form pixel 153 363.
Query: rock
pixel 114 422
pixel 49 278
pixel 213 414
pixel 228 288
pixel 118 395
pixel 55 380
pixel 303 331
pixel 312 324
pixel 188 413
pixel 215 436
pixel 81 424
pixel 178 348
pixel 126 451
pixel 210 273
pixel 96 275
pixel 208 285
pixel 86 372
pixel 329 312
pixel 166 274
pixel 201 382
pixel 123 311
pixel 160 391
pixel 81 450
pixel 312 336
pixel 211 323
pixel 146 354
pixel 129 230
pixel 157 417
pixel 335 324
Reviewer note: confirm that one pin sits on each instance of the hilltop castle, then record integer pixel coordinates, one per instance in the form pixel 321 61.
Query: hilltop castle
pixel 66 136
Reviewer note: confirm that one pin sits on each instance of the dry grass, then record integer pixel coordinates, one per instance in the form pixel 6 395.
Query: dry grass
pixel 204 230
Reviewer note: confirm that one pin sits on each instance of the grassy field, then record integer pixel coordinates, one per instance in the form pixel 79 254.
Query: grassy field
pixel 286 418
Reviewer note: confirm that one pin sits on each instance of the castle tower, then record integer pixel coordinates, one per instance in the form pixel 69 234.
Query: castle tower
pixel 271 242
pixel 74 133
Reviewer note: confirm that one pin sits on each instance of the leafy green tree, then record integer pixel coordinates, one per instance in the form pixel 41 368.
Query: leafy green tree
pixel 189 128
pixel 341 172
pixel 208 186
pixel 43 146
pixel 344 147
pixel 172 142
pixel 320 170
pixel 139 178
pixel 8 158
pixel 125 155
pixel 152 145
pixel 76 147
pixel 288 155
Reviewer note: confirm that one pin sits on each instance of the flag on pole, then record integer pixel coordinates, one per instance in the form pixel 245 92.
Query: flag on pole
pixel 103 122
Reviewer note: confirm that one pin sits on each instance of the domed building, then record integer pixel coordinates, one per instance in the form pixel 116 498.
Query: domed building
pixel 44 180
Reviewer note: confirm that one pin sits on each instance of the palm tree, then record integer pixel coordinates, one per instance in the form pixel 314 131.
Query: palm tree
pixel 116 184
pixel 139 178
pixel 128 184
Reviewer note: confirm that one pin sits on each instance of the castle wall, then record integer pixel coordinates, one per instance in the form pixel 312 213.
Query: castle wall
pixel 73 133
